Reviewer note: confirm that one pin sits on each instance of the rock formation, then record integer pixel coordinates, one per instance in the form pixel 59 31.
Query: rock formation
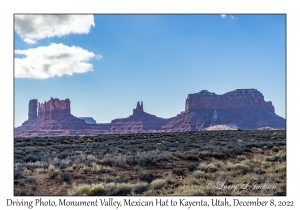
pixel 139 121
pixel 245 108
pixel 241 108
pixel 54 114
pixel 32 110
pixel 54 109
pixel 237 99
pixel 32 113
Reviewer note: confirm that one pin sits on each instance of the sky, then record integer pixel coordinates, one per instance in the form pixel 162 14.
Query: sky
pixel 106 63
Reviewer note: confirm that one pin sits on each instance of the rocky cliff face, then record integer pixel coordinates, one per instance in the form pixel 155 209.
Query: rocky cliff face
pixel 245 108
pixel 54 109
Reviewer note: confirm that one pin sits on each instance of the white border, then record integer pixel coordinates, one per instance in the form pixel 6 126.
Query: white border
pixel 153 6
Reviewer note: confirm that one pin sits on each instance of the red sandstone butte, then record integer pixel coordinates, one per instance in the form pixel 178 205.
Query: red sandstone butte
pixel 53 115
pixel 245 108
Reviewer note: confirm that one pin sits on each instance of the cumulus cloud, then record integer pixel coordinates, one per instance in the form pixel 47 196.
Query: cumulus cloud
pixel 53 60
pixel 34 27
pixel 223 16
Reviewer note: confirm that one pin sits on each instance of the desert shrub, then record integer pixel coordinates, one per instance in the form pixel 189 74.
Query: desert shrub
pixel 18 172
pixel 30 180
pixel 270 158
pixel 131 160
pixel 53 171
pixel 77 159
pixel 65 154
pixel 241 157
pixel 140 188
pixel 163 157
pixel 148 158
pixel 192 166
pixel 89 162
pixel 108 161
pixel 145 176
pixel 199 174
pixel 281 155
pixel 205 153
pixel 203 167
pixel 137 168
pixel 178 155
pixel 158 184
pixel 122 189
pixel 280 169
pixel 179 172
pixel 120 161
pixel 101 189
pixel 88 181
pixel 65 163
pixel 22 181
pixel 86 189
pixel 31 158
pixel 65 176
pixel 212 168
pixel 23 192
pixel 33 187
pixel 110 171
pixel 218 155
pixel 108 179
pixel 239 150
pixel 92 158
pixel 240 166
pixel 191 157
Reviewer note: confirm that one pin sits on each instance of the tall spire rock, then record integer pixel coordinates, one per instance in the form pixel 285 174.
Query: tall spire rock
pixel 32 109
pixel 139 108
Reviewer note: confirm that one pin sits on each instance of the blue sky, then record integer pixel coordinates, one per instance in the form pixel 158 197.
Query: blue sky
pixel 118 60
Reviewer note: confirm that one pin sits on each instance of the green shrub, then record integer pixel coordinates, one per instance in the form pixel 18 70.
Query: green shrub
pixel 240 166
pixel 158 184
pixel 241 157
pixel 53 171
pixel 199 174
pixel 102 189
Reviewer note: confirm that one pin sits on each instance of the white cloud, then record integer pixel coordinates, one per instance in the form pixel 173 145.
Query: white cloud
pixel 223 16
pixel 34 27
pixel 232 17
pixel 53 60
pixel 29 41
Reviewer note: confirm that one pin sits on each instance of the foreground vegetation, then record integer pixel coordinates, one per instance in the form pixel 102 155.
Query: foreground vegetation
pixel 188 163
